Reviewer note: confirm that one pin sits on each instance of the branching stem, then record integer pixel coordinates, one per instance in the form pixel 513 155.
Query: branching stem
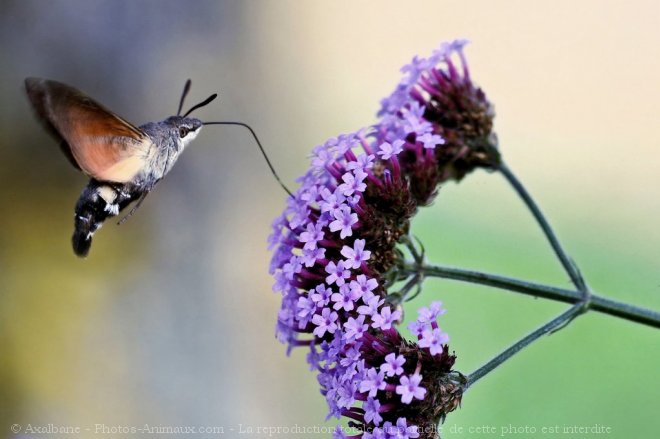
pixel 598 303
pixel 582 299
pixel 546 329
pixel 566 261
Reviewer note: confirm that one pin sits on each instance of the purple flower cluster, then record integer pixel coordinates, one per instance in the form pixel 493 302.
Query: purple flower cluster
pixel 336 240
pixel 437 107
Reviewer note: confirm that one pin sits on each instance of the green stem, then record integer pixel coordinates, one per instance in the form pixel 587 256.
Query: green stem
pixel 546 329
pixel 598 303
pixel 565 260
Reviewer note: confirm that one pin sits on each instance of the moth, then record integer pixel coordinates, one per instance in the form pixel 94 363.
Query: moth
pixel 124 162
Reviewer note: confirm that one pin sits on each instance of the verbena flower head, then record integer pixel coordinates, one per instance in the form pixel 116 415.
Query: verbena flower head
pixel 336 241
pixel 436 103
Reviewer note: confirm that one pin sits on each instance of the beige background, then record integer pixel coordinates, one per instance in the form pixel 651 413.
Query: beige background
pixel 170 320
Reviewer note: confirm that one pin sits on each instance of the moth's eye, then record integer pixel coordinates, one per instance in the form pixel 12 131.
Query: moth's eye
pixel 183 132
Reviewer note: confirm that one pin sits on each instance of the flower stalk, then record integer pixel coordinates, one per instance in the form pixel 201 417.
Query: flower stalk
pixel 550 327
pixel 566 261
pixel 598 303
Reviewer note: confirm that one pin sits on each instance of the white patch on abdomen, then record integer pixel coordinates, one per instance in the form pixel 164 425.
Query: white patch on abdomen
pixel 109 195
pixel 112 209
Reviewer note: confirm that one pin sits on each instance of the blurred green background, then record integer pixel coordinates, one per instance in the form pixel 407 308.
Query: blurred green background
pixel 170 320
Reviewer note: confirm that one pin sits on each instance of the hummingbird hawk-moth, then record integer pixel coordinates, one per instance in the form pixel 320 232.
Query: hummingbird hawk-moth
pixel 124 162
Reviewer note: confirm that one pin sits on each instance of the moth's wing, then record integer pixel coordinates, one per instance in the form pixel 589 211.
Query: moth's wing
pixel 97 141
pixel 36 94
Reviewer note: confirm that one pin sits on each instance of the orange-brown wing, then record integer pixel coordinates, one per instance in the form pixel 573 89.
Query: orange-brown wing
pixel 100 143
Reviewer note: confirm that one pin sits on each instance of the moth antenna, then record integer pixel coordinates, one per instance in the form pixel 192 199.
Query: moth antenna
pixel 201 104
pixel 186 89
pixel 137 205
pixel 261 148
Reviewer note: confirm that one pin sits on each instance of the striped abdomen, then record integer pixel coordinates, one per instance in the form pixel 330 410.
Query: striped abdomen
pixel 97 202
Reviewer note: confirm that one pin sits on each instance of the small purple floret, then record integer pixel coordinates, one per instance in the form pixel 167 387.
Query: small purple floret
pixel 410 388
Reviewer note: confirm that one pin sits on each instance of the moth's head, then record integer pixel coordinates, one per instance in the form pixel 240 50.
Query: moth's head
pixel 184 129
